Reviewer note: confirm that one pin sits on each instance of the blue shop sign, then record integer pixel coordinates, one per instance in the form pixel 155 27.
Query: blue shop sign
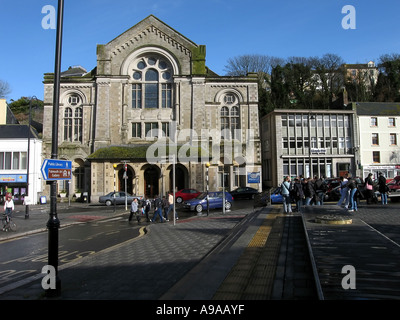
pixel 253 177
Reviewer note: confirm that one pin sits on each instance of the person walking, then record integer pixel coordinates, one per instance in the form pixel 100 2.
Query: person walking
pixel 165 208
pixel 352 186
pixel 157 209
pixel 134 210
pixel 382 188
pixel 285 191
pixel 147 208
pixel 171 205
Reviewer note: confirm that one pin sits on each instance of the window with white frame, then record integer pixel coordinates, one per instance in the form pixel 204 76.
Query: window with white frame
pixel 13 160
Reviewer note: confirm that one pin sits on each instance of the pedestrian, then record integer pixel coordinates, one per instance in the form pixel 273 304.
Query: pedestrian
pixel 344 191
pixel 8 206
pixel 369 188
pixel 134 210
pixel 352 186
pixel 309 191
pixel 285 191
pixel 382 188
pixel 320 190
pixel 147 208
pixel 298 194
pixel 171 205
pixel 157 209
pixel 165 207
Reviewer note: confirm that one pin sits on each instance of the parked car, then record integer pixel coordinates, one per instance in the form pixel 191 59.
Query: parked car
pixel 199 203
pixel 394 184
pixel 276 196
pixel 244 193
pixel 394 189
pixel 186 194
pixel 108 199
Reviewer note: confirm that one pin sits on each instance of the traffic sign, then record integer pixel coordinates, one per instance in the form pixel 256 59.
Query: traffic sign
pixel 54 169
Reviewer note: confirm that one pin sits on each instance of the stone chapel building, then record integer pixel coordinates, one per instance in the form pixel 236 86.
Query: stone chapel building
pixel 151 99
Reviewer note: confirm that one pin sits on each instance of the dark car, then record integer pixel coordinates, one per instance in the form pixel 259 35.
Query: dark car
pixel 215 199
pixel 108 199
pixel 186 194
pixel 244 193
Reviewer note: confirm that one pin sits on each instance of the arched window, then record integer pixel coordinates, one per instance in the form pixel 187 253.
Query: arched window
pixel 152 83
pixel 230 118
pixel 73 119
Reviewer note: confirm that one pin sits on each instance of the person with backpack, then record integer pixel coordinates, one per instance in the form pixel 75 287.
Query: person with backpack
pixel 285 191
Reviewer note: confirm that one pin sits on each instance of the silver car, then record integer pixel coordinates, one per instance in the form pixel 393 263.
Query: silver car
pixel 109 199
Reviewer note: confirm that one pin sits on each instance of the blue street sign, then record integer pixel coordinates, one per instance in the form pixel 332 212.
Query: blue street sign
pixel 54 169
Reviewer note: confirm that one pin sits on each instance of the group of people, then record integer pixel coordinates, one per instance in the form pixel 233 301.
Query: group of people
pixel 350 192
pixel 303 191
pixel 162 208
pixel 312 191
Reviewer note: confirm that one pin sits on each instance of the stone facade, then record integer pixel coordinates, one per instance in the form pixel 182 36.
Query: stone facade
pixel 151 87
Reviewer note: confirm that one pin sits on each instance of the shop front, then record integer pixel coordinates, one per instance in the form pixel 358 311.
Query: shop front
pixel 16 184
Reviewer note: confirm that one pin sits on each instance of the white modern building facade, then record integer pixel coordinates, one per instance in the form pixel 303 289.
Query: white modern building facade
pixel 308 143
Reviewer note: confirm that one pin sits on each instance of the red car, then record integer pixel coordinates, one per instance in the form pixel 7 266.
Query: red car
pixel 186 194
pixel 394 185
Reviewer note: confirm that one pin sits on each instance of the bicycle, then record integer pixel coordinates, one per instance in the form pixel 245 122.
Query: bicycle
pixel 8 224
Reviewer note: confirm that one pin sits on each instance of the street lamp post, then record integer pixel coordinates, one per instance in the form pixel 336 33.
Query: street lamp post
pixel 28 158
pixel 207 186
pixel 115 182
pixel 53 223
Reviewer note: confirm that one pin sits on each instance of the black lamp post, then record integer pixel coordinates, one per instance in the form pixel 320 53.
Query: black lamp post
pixel 53 224
pixel 207 185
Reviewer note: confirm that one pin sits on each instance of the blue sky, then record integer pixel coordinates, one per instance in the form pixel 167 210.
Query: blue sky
pixel 228 28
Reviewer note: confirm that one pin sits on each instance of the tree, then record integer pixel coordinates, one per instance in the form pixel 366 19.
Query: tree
pixel 4 89
pixel 329 71
pixel 20 109
pixel 388 85
pixel 260 64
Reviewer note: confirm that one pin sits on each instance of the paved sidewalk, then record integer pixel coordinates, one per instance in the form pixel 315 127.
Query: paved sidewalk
pixel 368 247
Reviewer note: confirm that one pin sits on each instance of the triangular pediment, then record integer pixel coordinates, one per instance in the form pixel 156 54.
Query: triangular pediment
pixel 150 26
